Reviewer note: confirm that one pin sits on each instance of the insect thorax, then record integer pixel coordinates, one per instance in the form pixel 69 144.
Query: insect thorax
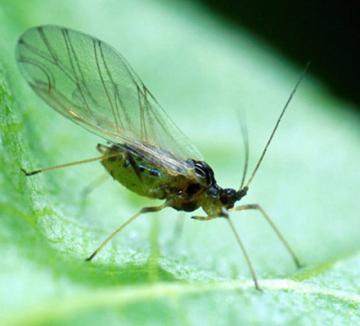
pixel 206 193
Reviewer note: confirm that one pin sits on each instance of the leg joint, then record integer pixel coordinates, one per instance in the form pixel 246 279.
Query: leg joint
pixel 253 206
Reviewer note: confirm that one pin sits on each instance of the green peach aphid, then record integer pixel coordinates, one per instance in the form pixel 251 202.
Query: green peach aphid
pixel 91 84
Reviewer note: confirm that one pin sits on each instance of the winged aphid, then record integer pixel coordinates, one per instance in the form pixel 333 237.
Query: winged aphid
pixel 91 84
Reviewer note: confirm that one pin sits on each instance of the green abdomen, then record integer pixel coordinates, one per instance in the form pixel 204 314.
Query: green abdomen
pixel 138 175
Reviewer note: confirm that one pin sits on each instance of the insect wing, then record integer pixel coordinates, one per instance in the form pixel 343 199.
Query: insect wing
pixel 90 83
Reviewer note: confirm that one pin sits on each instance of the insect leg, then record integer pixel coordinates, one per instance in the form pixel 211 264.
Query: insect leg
pixel 93 185
pixel 244 252
pixel 238 240
pixel 86 191
pixel 61 166
pixel 125 224
pixel 276 230
pixel 204 218
pixel 179 226
pixel 177 231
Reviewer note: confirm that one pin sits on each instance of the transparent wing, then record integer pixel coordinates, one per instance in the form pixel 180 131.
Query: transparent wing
pixel 90 83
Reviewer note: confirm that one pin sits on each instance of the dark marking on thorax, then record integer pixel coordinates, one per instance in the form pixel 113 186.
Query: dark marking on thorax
pixel 204 172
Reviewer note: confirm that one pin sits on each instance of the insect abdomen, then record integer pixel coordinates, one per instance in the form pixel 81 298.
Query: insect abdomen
pixel 135 173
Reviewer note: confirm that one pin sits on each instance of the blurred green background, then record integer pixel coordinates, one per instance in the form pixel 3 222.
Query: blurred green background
pixel 327 33
pixel 203 70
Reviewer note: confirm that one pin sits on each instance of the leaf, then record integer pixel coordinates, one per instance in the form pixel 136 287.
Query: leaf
pixel 202 72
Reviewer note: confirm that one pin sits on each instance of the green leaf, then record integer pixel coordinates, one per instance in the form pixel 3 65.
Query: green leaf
pixel 203 72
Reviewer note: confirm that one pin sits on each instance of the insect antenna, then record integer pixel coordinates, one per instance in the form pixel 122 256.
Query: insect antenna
pixel 245 139
pixel 277 125
pixel 61 166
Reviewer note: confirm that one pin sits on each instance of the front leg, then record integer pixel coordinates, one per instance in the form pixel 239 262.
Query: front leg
pixel 222 213
pixel 238 240
pixel 273 226
pixel 205 218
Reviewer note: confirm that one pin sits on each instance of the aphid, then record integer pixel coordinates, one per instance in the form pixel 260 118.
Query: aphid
pixel 91 84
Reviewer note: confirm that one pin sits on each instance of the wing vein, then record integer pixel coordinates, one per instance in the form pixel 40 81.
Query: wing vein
pixel 116 109
pixel 92 84
pixel 104 86
pixel 73 68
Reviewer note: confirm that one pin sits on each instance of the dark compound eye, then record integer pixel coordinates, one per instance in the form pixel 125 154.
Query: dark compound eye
pixel 228 196
pixel 230 192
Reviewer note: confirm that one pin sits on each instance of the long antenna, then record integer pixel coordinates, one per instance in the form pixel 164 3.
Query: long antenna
pixel 245 138
pixel 277 123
